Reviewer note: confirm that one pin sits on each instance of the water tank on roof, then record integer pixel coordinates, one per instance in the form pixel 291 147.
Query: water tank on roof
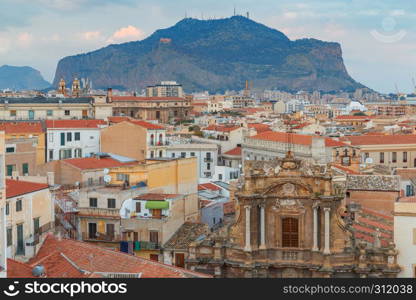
pixel 38 271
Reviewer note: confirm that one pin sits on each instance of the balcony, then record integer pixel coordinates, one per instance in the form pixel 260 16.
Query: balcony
pixel 99 212
pixel 208 159
pixel 101 237
pixel 149 245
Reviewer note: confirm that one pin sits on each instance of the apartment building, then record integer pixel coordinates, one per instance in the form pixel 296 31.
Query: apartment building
pixel 165 89
pixel 25 147
pixel 206 154
pixel 29 216
pixel 163 109
pixel 104 209
pixel 393 151
pixel 271 144
pixel 136 139
pixel 42 108
pixel 72 138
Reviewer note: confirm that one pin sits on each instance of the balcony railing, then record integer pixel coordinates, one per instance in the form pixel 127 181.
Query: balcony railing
pixel 99 212
pixel 208 159
pixel 144 245
pixel 101 237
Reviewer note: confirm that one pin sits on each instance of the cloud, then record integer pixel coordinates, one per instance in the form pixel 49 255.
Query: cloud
pixel 125 34
pixel 24 39
pixel 91 35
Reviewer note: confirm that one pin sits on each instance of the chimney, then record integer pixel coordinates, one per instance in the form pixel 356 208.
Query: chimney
pixel 109 95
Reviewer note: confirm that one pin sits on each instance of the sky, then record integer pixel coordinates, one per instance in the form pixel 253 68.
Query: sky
pixel 378 38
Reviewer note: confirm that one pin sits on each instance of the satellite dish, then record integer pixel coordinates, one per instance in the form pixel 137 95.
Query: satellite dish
pixel 368 160
pixel 107 178
pixel 106 171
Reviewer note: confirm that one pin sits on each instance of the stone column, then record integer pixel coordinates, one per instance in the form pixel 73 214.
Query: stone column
pixel 262 228
pixel 315 229
pixel 327 224
pixel 248 233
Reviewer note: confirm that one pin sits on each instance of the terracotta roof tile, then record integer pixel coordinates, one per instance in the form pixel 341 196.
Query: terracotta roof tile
pixel 21 127
pixel 16 188
pixel 299 139
pixel 208 186
pixel 381 139
pixel 235 151
pixel 16 269
pixel 93 258
pixel 221 128
pixel 75 123
pixel 89 163
pixel 146 125
pixel 135 98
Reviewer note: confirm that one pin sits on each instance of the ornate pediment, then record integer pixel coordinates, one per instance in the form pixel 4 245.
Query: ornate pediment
pixel 288 189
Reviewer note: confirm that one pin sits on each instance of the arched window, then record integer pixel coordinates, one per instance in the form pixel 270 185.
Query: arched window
pixel 290 232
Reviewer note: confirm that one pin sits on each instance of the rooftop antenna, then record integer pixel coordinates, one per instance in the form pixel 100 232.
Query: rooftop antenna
pixel 248 15
pixel 234 10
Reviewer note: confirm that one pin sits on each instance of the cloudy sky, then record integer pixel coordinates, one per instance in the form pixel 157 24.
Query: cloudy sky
pixel 378 38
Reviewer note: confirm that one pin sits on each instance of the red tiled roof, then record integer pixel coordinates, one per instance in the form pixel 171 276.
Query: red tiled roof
pixel 118 119
pixel 381 139
pixel 410 199
pixel 89 163
pixel 21 127
pixel 351 117
pixel 235 151
pixel 16 269
pixel 135 98
pixel 208 186
pixel 259 127
pixel 157 197
pixel 57 266
pixel 345 169
pixel 221 128
pixel 299 139
pixel 146 125
pixel 229 208
pixel 16 188
pixel 74 123
pixel 375 224
pixel 97 259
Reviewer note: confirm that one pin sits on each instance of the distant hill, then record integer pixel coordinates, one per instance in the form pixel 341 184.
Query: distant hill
pixel 21 78
pixel 214 55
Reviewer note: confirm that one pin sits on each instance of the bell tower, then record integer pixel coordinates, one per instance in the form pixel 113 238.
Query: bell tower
pixel 62 87
pixel 76 88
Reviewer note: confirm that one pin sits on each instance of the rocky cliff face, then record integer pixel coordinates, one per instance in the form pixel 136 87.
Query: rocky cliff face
pixel 21 78
pixel 214 55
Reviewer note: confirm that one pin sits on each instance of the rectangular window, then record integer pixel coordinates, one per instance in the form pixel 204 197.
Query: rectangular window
pixel 290 232
pixel 111 203
pixel 208 166
pixel 7 209
pixel 49 113
pixel 183 154
pixel 192 153
pixel 67 113
pixel 78 152
pixel 9 236
pixel 10 169
pixel 50 135
pixel 69 136
pixel 173 155
pixel 77 136
pixel 84 113
pixel 404 157
pixel 25 168
pixel 31 114
pixel 62 139
pixel 13 113
pixel 93 202
pixel 154 237
pixel 19 205
pixel 138 207
pixel 10 149
pixel 394 157
pixel 50 154
pixel 382 157
pixel 36 226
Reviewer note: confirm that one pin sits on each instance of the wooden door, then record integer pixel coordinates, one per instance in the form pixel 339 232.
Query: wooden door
pixel 180 260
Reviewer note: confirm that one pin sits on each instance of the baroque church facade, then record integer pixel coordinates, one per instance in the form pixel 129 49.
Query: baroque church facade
pixel 291 221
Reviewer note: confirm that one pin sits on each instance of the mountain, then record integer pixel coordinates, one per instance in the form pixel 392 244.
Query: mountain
pixel 21 78
pixel 214 55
